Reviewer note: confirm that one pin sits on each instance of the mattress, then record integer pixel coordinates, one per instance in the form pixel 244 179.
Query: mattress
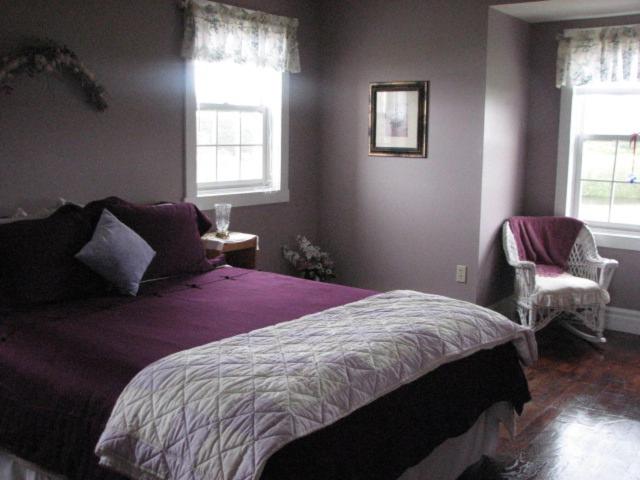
pixel 63 367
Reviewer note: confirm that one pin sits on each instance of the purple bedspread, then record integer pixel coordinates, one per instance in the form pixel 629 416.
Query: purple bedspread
pixel 62 367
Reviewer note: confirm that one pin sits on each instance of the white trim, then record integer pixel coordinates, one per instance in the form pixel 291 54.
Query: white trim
pixel 622 241
pixel 564 165
pixel 623 320
pixel 190 133
pixel 559 10
pixel 279 193
pixel 240 199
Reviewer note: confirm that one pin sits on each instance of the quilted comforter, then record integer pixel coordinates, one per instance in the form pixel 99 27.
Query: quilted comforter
pixel 219 411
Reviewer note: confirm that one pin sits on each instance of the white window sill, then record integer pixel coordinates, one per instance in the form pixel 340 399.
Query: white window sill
pixel 623 241
pixel 240 199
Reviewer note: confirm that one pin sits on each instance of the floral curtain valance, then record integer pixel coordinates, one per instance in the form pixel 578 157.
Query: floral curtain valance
pixel 216 32
pixel 598 55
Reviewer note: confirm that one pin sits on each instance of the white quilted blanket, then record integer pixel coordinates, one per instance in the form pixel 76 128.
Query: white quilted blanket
pixel 219 411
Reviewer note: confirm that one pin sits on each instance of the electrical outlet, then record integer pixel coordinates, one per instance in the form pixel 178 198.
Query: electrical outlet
pixel 461 273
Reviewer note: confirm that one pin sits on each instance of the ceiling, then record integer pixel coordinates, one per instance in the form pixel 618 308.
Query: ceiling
pixel 556 10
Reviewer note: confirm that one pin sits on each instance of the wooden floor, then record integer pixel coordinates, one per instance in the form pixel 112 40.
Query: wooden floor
pixel 584 420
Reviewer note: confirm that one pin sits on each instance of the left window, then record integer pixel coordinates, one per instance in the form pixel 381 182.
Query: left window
pixel 236 135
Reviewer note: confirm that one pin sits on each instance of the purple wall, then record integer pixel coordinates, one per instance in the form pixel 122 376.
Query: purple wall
pixel 404 222
pixel 401 222
pixel 542 141
pixel 390 222
pixel 504 155
pixel 53 145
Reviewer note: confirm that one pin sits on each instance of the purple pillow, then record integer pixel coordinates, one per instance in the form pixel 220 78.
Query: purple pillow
pixel 173 230
pixel 37 259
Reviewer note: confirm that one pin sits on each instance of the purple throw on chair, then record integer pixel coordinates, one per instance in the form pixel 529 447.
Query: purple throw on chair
pixel 545 241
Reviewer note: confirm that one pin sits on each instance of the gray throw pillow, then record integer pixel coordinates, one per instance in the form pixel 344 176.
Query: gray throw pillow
pixel 117 253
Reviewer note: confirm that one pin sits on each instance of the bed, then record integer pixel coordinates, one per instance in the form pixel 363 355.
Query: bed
pixel 65 365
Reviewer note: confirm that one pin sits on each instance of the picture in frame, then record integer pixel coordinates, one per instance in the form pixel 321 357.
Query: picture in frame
pixel 398 119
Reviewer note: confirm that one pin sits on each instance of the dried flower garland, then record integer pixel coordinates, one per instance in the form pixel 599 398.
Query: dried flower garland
pixel 48 56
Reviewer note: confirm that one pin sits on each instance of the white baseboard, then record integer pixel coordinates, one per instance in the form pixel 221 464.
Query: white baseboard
pixel 623 320
pixel 617 319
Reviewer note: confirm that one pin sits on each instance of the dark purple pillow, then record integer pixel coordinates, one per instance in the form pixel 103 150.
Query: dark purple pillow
pixel 173 230
pixel 37 259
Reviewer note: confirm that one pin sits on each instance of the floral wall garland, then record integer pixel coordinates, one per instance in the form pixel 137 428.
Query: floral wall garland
pixel 47 56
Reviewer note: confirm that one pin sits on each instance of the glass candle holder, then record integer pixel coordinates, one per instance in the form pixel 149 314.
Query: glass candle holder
pixel 223 215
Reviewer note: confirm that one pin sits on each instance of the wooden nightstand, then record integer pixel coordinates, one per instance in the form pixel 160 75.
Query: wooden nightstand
pixel 239 249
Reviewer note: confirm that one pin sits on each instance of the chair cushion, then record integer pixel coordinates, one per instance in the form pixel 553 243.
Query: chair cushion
pixel 566 290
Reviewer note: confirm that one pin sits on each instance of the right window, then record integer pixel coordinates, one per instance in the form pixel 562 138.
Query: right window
pixel 606 184
pixel 603 178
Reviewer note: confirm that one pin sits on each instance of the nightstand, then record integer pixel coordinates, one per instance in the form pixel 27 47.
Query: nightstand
pixel 239 249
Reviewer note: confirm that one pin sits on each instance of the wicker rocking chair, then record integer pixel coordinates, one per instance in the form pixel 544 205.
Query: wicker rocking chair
pixel 581 290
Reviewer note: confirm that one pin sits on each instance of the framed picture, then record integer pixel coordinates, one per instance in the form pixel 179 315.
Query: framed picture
pixel 398 119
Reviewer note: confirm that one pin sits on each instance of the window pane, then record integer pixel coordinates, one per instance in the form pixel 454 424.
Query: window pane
pixel 252 125
pixel 228 128
pixel 206 120
pixel 225 89
pixel 251 165
pixel 625 162
pixel 235 84
pixel 626 204
pixel 610 113
pixel 594 201
pixel 228 163
pixel 598 158
pixel 206 166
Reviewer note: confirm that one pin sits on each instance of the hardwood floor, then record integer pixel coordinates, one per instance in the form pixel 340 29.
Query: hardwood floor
pixel 584 420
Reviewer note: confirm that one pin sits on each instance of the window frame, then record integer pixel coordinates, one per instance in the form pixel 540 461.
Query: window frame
pixel 612 235
pixel 239 193
pixel 266 181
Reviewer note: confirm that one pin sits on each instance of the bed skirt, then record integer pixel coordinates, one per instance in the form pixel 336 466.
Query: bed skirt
pixel 446 462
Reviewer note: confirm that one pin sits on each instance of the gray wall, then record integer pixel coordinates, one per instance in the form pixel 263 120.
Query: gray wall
pixel 390 222
pixel 404 222
pixel 504 155
pixel 54 145
pixel 542 140
pixel 407 223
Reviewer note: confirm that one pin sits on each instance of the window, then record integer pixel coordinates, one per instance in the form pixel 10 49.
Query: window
pixel 236 103
pixel 598 172
pixel 236 134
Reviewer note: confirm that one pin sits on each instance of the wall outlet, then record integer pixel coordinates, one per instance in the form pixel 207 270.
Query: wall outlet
pixel 461 273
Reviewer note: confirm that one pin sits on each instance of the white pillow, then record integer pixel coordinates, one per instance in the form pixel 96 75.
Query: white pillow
pixel 117 254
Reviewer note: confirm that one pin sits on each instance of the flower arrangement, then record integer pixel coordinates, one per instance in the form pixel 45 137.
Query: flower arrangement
pixel 309 261
pixel 47 56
